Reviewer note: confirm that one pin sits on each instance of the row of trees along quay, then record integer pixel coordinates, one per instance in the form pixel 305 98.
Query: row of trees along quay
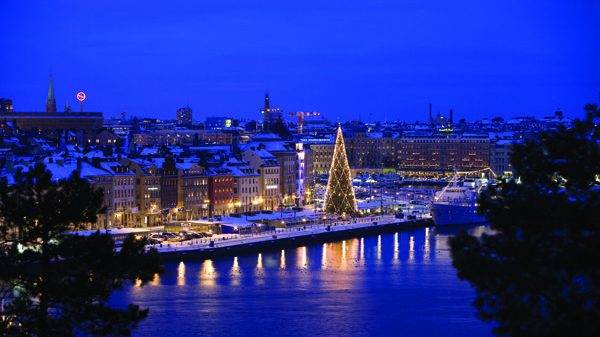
pixel 538 274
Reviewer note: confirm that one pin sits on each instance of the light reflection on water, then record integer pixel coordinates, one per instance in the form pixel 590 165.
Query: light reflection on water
pixel 324 257
pixel 411 249
pixel 181 274
pixel 372 285
pixel 378 248
pixel 282 259
pixel 259 262
pixel 208 274
pixel 396 248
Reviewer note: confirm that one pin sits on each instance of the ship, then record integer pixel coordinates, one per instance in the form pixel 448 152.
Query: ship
pixel 456 204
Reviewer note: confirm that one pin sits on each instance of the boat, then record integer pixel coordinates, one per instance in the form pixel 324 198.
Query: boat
pixel 456 204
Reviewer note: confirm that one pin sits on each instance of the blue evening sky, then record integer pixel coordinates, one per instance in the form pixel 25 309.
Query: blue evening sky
pixel 348 59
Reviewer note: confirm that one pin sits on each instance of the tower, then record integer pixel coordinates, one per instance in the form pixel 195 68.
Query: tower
pixel 339 198
pixel 51 102
pixel 184 116
pixel 430 115
pixel 266 113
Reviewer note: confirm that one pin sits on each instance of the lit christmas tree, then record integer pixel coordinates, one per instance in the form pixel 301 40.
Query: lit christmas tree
pixel 339 198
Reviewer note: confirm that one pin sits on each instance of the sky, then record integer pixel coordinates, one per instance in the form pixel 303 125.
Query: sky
pixel 368 60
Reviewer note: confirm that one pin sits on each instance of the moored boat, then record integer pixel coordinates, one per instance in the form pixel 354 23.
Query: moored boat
pixel 456 204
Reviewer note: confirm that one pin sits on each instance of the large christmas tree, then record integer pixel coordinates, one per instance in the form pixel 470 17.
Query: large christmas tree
pixel 339 198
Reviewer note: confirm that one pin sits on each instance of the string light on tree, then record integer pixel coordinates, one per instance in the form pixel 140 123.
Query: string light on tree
pixel 339 198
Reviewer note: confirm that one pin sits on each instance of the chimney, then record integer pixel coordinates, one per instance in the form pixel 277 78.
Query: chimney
pixel 430 115
pixel 451 116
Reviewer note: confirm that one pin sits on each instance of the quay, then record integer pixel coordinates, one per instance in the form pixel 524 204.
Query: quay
pixel 240 244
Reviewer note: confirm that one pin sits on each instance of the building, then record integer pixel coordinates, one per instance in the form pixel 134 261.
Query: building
pixel 442 153
pixel 51 119
pixel 6 105
pixel 181 137
pixel 267 167
pixel 51 101
pixel 102 179
pixel 321 157
pixel 169 186
pixel 184 116
pixel 304 173
pixel 270 114
pixel 219 123
pixel 193 191
pixel 246 194
pixel 500 152
pixel 62 168
pixel 309 175
pixel 147 192
pixel 124 209
pixel 370 150
pixel 100 137
pixel 87 121
pixel 220 192
pixel 287 158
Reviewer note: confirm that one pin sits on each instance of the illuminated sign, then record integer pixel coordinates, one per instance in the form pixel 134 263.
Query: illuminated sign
pixel 81 96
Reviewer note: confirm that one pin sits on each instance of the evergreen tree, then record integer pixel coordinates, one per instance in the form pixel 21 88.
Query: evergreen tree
pixel 539 274
pixel 56 284
pixel 279 128
pixel 339 198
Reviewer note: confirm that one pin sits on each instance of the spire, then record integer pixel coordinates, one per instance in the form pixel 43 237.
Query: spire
pixel 51 90
pixel 266 113
pixel 339 198
pixel 51 102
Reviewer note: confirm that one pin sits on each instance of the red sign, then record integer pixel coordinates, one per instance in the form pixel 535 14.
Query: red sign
pixel 81 96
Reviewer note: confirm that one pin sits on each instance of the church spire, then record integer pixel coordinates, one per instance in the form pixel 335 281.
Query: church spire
pixel 51 102
pixel 267 113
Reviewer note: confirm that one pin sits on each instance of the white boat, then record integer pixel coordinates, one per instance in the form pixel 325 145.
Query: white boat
pixel 456 204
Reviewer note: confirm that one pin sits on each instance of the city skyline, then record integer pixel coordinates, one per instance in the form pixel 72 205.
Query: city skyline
pixel 384 61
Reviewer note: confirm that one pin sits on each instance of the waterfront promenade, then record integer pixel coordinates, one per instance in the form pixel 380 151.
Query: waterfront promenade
pixel 231 244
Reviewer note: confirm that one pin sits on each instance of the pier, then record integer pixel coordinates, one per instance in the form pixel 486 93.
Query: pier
pixel 239 244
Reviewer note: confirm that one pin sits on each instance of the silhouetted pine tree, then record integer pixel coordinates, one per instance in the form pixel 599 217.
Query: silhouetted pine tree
pixel 279 128
pixel 539 275
pixel 55 284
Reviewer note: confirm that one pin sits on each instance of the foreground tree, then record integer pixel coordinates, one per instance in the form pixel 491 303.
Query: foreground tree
pixel 56 284
pixel 539 275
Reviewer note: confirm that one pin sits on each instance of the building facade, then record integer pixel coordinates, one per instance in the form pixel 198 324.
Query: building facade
pixel 184 116
pixel 268 169
pixel 193 192
pixel 444 153
pixel 220 192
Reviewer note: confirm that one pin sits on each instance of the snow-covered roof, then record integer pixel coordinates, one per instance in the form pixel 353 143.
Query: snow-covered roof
pixel 147 151
pixel 275 146
pixel 374 135
pixel 63 170
pixel 242 171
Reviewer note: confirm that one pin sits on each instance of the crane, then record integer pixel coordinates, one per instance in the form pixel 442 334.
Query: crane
pixel 301 115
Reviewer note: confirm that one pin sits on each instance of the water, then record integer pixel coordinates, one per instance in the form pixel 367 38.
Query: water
pixel 399 284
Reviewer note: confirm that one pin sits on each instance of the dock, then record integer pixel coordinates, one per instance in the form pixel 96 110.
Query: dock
pixel 235 245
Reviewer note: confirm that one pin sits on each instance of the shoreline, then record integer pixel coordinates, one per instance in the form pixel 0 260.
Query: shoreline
pixel 288 239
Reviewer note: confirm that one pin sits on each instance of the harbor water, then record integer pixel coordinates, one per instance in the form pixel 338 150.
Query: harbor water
pixel 397 284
